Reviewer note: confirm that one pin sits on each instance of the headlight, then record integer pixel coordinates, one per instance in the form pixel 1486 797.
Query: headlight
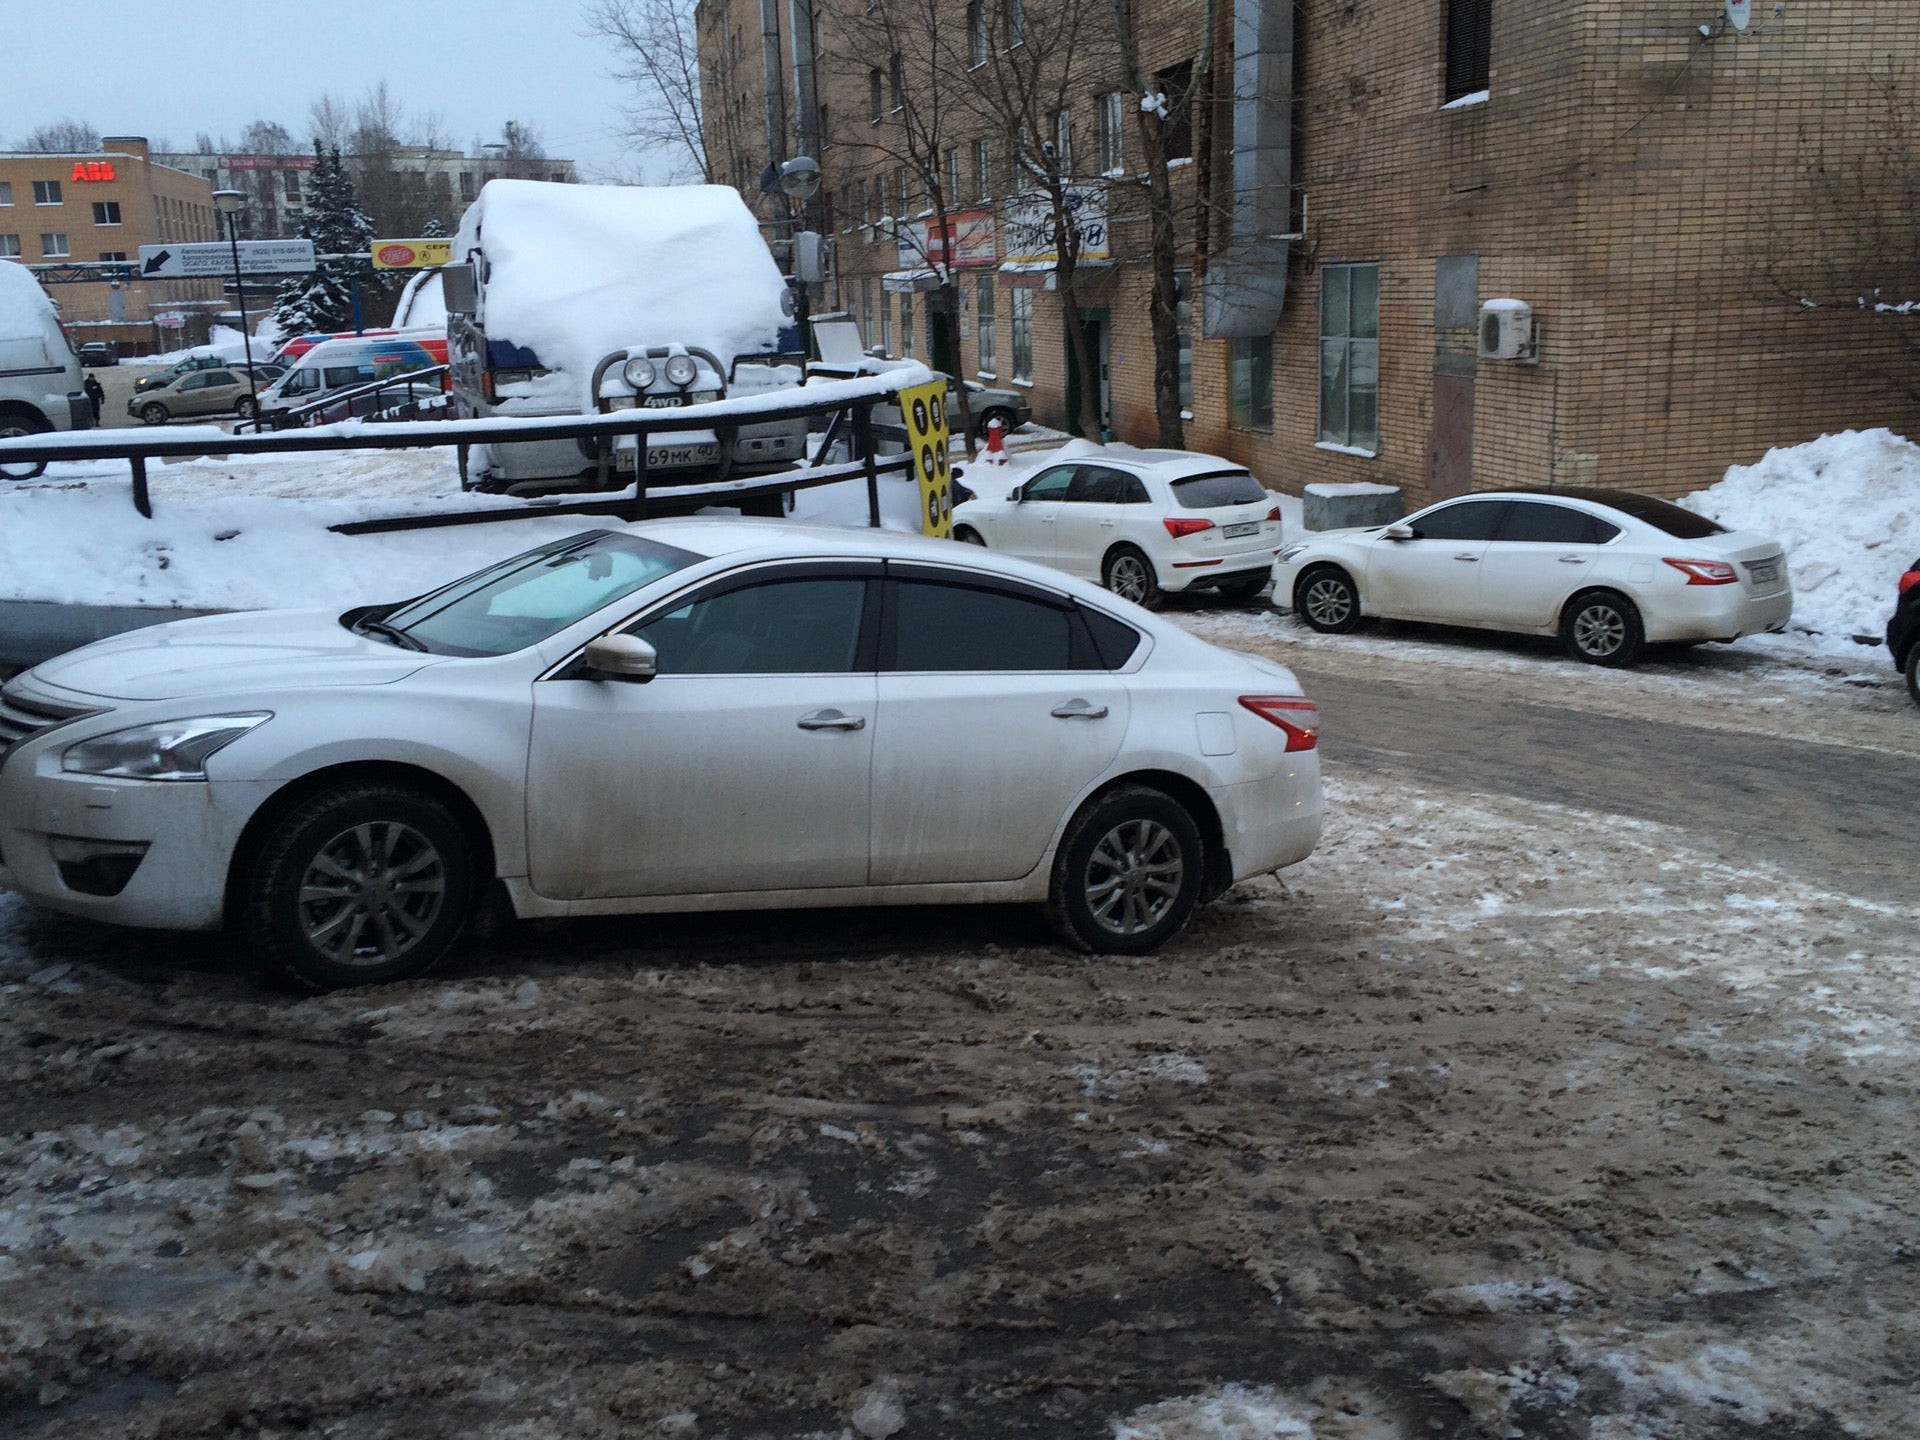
pixel 680 370
pixel 167 750
pixel 638 373
pixel 1287 552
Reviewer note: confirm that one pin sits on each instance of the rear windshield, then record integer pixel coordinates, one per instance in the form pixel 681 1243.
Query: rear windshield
pixel 1681 524
pixel 1223 487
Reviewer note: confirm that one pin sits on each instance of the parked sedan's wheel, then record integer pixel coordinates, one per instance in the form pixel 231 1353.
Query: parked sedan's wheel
pixel 1326 598
pixel 1129 574
pixel 361 885
pixel 1241 591
pixel 1602 628
pixel 246 407
pixel 154 413
pixel 1128 874
pixel 1008 420
pixel 1913 672
pixel 967 535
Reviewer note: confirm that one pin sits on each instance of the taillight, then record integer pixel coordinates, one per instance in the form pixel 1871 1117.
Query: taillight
pixel 1706 572
pixel 1274 513
pixel 1295 714
pixel 1181 528
pixel 1910 579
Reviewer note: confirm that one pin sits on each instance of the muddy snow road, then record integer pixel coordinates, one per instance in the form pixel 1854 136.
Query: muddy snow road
pixel 1550 1099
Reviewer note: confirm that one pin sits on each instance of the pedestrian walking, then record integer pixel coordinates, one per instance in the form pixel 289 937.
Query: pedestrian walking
pixel 95 394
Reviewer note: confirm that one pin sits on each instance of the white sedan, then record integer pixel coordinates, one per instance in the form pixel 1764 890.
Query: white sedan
pixel 1141 522
pixel 683 715
pixel 1606 570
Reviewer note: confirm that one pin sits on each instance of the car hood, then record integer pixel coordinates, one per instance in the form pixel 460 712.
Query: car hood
pixel 223 654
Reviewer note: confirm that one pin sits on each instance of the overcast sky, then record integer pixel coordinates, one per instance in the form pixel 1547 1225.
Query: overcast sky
pixel 169 69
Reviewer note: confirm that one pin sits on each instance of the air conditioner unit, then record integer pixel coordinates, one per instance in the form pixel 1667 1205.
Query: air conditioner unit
pixel 1506 331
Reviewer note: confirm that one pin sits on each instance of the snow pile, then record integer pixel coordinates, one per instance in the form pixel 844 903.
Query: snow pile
pixel 223 343
pixel 24 306
pixel 576 271
pixel 1847 508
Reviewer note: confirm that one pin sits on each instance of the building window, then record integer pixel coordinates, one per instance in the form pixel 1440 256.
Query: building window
pixel 9 245
pixel 113 255
pixel 866 310
pixel 897 68
pixel 54 246
pixel 976 32
pixel 1350 356
pixel 1469 47
pixel 1176 132
pixel 906 326
pixel 1183 317
pixel 46 192
pixel 1023 335
pixel 1016 22
pixel 1063 141
pixel 886 324
pixel 106 212
pixel 1112 138
pixel 983 314
pixel 6 192
pixel 466 185
pixel 1250 383
pixel 877 94
pixel 983 169
pixel 952 196
pixel 906 192
pixel 293 186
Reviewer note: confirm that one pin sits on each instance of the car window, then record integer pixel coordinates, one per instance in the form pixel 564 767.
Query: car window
pixel 1050 484
pixel 1114 640
pixel 1537 523
pixel 1468 520
pixel 940 626
pixel 1223 487
pixel 192 382
pixel 522 601
pixel 1679 523
pixel 793 626
pixel 1097 485
pixel 221 377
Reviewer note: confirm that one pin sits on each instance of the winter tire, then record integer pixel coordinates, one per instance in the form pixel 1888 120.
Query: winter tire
pixel 1128 874
pixel 12 426
pixel 1602 628
pixel 1913 671
pixel 246 407
pixel 1326 599
pixel 1129 574
pixel 1242 590
pixel 996 412
pixel 363 884
pixel 967 535
pixel 154 413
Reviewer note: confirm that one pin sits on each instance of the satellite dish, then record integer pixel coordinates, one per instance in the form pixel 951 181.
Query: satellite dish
pixel 1739 13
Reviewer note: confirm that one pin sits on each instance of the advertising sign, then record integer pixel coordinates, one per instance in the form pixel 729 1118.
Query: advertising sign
pixel 200 259
pixel 924 408
pixel 967 243
pixel 1029 227
pixel 910 246
pixel 411 254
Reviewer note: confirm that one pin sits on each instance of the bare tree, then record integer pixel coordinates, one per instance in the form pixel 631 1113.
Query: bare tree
pixel 63 137
pixel 1160 100
pixel 331 122
pixel 656 51
pixel 267 137
pixel 518 142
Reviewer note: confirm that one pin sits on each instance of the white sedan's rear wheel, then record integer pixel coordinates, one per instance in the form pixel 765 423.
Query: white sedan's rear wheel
pixel 1602 628
pixel 1128 875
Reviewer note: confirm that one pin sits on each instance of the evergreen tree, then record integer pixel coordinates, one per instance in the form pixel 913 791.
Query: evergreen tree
pixel 433 229
pixel 337 226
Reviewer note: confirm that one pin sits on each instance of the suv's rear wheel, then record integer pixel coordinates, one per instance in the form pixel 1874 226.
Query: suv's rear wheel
pixel 1128 573
pixel 15 423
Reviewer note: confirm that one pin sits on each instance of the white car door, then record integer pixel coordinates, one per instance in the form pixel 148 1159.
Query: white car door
pixel 743 765
pixel 994 717
pixel 1542 555
pixel 1436 574
pixel 1093 517
pixel 1026 526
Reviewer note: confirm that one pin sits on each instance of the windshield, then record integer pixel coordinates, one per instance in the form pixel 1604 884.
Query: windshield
pixel 1223 487
pixel 522 601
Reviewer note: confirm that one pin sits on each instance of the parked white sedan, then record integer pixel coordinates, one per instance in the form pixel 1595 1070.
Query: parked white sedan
pixel 683 715
pixel 1606 570
pixel 1141 522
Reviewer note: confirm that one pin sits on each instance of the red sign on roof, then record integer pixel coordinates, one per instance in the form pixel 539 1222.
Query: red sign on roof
pixel 85 170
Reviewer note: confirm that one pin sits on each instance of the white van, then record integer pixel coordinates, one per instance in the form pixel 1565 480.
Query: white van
pixel 342 364
pixel 39 373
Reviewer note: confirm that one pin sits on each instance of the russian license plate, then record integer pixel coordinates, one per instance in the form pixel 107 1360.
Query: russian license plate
pixel 1245 527
pixel 1764 574
pixel 669 457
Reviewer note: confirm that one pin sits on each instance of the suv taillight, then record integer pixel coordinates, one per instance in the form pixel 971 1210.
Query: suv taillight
pixel 1182 528
pixel 1706 572
pixel 1295 714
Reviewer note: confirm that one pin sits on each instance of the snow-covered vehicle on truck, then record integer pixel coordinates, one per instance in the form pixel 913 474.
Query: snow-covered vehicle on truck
pixel 574 299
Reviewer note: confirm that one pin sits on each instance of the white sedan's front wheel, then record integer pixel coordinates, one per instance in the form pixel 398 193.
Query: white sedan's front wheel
pixel 1327 600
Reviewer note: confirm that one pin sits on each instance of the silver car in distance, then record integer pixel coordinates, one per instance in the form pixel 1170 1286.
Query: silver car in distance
pixel 681 715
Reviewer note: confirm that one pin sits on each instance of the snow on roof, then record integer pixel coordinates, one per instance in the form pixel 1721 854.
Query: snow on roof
pixel 576 271
pixel 24 306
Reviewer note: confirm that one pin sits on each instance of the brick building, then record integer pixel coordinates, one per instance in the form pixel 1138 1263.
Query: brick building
pixel 65 214
pixel 1701 218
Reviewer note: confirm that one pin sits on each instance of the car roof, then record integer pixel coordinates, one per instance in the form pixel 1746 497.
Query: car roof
pixel 1167 464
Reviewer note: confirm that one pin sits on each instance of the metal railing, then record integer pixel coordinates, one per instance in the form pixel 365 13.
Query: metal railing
pixel 298 415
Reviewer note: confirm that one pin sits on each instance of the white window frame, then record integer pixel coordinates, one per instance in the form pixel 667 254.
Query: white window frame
pixel 47 241
pixel 1113 140
pixel 106 208
pixel 48 187
pixel 7 241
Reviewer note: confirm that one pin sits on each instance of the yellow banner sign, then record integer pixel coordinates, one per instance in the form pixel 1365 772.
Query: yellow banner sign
pixel 925 410
pixel 411 254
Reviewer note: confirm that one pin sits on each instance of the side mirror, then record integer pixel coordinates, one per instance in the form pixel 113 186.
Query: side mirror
pixel 1018 494
pixel 622 657
pixel 1399 530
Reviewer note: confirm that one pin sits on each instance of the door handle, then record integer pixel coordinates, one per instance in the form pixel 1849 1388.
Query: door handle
pixel 1470 559
pixel 1079 710
pixel 832 720
pixel 1573 559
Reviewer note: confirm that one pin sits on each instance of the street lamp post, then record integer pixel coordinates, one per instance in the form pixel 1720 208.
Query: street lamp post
pixel 230 203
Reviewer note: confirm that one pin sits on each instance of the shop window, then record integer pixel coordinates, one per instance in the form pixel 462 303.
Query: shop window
pixel 1350 356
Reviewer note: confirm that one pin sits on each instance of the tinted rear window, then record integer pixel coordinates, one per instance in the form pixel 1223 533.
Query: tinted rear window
pixel 1531 521
pixel 956 627
pixel 1226 487
pixel 1681 524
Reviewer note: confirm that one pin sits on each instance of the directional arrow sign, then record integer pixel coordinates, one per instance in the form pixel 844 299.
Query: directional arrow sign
pixel 213 259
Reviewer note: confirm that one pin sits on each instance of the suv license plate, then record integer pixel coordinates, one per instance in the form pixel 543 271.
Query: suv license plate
pixel 1245 527
pixel 669 457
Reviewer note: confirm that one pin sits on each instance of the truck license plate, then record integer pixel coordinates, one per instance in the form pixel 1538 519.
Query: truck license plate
pixel 669 457
pixel 1245 527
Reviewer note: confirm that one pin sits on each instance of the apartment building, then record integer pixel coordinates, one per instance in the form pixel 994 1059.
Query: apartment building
pixel 1685 227
pixel 64 214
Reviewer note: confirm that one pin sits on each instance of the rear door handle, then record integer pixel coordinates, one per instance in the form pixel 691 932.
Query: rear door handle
pixel 832 720
pixel 1079 710
pixel 1573 559
pixel 1470 559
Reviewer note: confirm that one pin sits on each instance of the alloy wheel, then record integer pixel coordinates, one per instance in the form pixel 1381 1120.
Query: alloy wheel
pixel 371 892
pixel 1134 876
pixel 1127 578
pixel 1328 602
pixel 1599 631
